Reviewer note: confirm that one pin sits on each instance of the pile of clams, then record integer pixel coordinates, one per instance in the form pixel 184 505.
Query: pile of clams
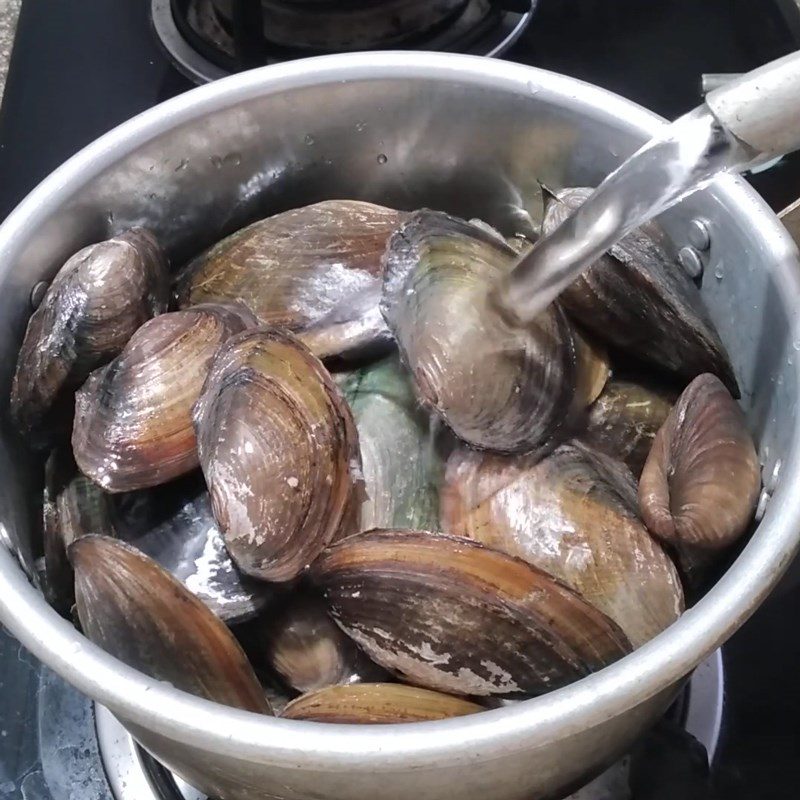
pixel 323 477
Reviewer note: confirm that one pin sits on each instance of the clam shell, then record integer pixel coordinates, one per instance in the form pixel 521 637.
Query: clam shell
pixel 625 418
pixel 97 300
pixel 498 386
pixel 638 299
pixel 574 515
pixel 308 650
pixel 136 611
pixel 450 614
pixel 700 484
pixel 401 467
pixel 72 507
pixel 279 452
pixel 174 525
pixel 311 267
pixel 133 423
pixel 377 703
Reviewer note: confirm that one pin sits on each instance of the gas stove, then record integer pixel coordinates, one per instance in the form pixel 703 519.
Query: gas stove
pixel 78 69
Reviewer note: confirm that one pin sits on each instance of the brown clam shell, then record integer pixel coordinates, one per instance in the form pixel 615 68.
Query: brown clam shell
pixel 133 422
pixel 625 418
pixel 496 385
pixel 136 611
pixel 97 300
pixel 279 451
pixel 311 267
pixel 376 704
pixel 308 650
pixel 638 299
pixel 450 614
pixel 701 481
pixel 574 515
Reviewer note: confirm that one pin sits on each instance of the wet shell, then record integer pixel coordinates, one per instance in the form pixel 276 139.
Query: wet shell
pixel 638 299
pixel 573 515
pixel 401 467
pixel 73 506
pixel 174 525
pixel 497 386
pixel 300 268
pixel 136 611
pixel 594 367
pixel 279 452
pixel 308 650
pixel 449 614
pixel 701 481
pixel 354 331
pixel 625 419
pixel 93 306
pixel 377 703
pixel 133 423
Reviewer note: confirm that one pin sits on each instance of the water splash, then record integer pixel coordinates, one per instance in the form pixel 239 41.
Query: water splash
pixel 685 157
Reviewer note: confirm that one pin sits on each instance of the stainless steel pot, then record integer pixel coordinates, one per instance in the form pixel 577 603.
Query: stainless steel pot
pixel 472 136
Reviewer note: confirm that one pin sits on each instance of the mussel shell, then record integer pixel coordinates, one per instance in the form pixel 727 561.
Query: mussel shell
pixel 625 418
pixel 133 418
pixel 97 300
pixel 376 704
pixel 450 614
pixel 279 451
pixel 72 507
pixel 574 515
pixel 136 611
pixel 300 268
pixel 174 525
pixel 701 481
pixel 497 386
pixel 638 299
pixel 401 467
pixel 303 645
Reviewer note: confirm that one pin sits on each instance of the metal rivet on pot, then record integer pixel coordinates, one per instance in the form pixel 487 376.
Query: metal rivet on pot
pixel 37 294
pixel 699 235
pixel 690 260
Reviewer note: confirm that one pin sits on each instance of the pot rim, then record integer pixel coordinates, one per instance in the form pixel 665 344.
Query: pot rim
pixel 652 668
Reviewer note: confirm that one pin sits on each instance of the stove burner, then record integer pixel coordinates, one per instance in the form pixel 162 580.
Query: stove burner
pixel 135 775
pixel 209 39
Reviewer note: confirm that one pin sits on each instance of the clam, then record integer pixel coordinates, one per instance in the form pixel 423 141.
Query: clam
pixel 496 385
pixel 279 452
pixel 638 299
pixel 97 300
pixel 73 506
pixel 174 525
pixel 449 614
pixel 574 515
pixel 625 418
pixel 377 703
pixel 301 268
pixel 133 423
pixel 308 650
pixel 136 611
pixel 701 481
pixel 401 467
